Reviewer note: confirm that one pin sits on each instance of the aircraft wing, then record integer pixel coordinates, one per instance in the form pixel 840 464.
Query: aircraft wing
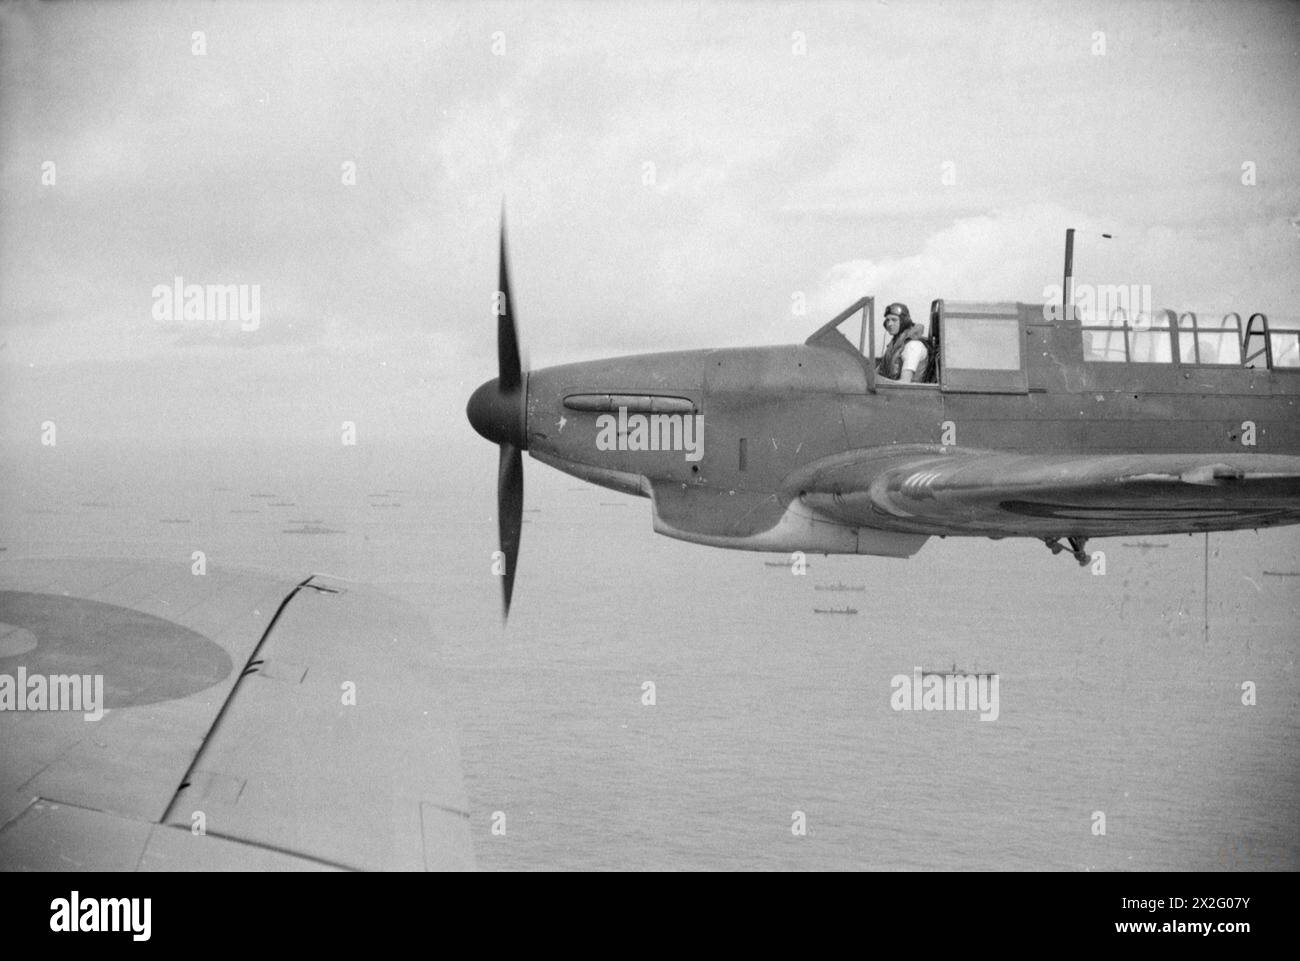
pixel 250 723
pixel 956 491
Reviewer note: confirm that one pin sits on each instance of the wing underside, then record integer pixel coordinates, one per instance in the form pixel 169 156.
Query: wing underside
pixel 998 494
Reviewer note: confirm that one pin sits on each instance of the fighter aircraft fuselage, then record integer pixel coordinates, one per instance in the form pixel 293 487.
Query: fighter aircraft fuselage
pixel 807 423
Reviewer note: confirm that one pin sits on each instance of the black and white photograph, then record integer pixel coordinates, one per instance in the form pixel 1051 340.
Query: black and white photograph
pixel 649 437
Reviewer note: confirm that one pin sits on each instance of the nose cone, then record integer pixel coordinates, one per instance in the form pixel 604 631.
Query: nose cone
pixel 499 415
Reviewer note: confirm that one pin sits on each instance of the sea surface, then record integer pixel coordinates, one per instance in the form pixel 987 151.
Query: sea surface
pixel 1120 693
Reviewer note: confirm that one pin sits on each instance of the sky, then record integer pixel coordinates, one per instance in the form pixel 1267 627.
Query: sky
pixel 675 175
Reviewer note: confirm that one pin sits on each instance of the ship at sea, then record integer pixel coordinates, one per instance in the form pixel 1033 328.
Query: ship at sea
pixel 954 671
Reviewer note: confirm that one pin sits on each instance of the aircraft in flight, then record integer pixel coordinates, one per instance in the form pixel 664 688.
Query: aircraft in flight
pixel 1035 421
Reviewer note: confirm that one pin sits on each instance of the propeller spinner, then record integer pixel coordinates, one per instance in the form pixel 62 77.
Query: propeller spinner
pixel 497 411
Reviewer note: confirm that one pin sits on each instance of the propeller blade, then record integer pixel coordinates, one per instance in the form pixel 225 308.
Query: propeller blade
pixel 508 364
pixel 510 511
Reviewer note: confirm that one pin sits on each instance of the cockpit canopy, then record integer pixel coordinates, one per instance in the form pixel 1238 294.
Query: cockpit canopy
pixel 1203 338
pixel 987 337
pixel 977 345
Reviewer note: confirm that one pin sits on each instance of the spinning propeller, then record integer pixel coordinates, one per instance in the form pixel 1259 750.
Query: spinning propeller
pixel 497 411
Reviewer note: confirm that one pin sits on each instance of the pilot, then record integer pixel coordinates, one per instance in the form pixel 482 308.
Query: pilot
pixel 906 357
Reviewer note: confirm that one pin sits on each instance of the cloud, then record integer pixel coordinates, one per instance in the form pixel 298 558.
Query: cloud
pixel 1014 254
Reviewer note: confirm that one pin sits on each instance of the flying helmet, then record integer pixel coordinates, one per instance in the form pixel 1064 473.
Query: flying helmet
pixel 900 311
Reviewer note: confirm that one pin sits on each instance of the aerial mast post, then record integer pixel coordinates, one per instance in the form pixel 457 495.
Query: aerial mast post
pixel 1067 284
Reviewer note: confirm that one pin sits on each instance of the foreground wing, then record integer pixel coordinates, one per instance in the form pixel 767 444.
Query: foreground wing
pixel 250 723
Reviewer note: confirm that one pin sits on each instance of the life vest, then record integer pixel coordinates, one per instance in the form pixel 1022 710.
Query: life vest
pixel 891 364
